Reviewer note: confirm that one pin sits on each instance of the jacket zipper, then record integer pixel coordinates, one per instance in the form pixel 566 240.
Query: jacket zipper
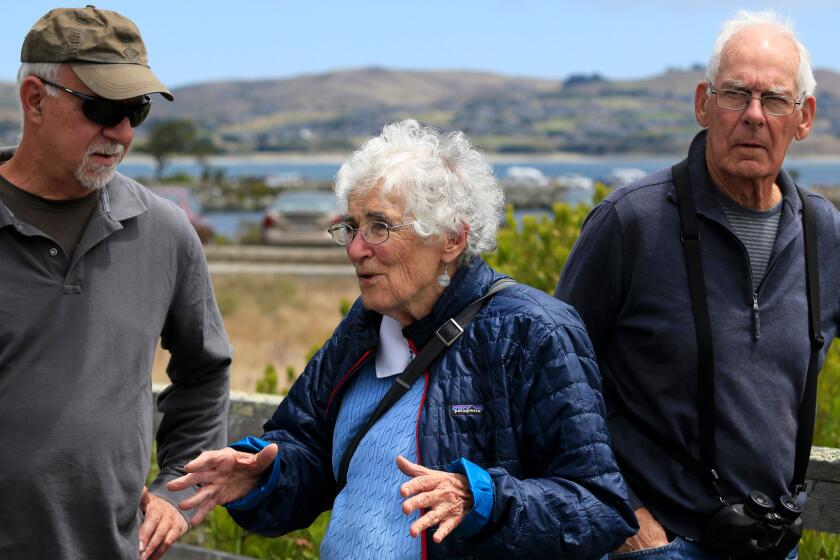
pixel 756 310
pixel 756 323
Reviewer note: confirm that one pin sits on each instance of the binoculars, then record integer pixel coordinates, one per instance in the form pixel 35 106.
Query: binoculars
pixel 758 528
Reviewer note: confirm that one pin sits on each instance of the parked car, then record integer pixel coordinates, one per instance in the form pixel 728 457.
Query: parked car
pixel 300 218
pixel 187 201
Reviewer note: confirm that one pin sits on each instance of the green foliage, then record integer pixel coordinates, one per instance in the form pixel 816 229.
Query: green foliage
pixel 268 384
pixel 220 532
pixel 167 138
pixel 344 307
pixel 312 351
pixel 827 428
pixel 535 251
pixel 153 469
pixel 202 148
pixel 821 546
pixel 219 239
pixel 179 178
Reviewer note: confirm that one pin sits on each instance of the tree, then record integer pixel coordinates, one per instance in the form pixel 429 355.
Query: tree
pixel 167 138
pixel 203 148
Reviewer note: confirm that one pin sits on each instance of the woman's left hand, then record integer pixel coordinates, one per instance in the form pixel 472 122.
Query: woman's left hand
pixel 446 497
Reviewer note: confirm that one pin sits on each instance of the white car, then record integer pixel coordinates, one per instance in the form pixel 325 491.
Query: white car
pixel 300 218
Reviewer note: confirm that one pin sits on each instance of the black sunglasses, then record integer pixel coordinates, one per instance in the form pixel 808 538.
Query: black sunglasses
pixel 107 112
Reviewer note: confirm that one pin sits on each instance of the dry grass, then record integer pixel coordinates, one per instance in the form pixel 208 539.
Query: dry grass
pixel 274 320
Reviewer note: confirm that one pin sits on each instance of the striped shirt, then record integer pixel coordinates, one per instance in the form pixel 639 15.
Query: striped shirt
pixel 756 230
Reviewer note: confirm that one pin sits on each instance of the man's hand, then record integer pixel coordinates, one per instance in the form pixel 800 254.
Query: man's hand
pixel 446 497
pixel 651 534
pixel 162 525
pixel 225 475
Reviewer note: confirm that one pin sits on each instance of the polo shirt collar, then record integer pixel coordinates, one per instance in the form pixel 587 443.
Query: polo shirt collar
pixel 5 216
pixel 119 200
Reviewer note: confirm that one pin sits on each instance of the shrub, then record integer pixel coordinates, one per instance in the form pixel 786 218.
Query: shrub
pixel 534 251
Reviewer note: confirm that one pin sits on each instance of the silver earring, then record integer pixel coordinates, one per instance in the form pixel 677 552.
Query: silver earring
pixel 443 278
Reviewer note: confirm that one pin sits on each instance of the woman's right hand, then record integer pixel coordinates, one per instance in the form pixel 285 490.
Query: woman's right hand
pixel 224 475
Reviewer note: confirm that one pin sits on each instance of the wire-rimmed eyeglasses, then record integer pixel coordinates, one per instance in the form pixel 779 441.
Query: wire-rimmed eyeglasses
pixel 375 233
pixel 739 99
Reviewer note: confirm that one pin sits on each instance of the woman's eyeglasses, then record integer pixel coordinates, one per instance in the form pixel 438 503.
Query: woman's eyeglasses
pixel 106 112
pixel 375 233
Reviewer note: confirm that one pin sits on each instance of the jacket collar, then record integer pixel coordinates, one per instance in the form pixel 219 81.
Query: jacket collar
pixel 468 284
pixel 705 196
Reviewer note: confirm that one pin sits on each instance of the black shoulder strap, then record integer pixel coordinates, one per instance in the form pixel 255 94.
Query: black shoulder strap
pixel 700 306
pixel 444 337
pixel 808 406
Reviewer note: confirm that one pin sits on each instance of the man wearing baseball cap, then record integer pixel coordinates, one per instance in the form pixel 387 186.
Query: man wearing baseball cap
pixel 94 269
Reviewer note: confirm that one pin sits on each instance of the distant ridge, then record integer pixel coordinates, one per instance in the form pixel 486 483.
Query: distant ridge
pixel 350 89
pixel 508 114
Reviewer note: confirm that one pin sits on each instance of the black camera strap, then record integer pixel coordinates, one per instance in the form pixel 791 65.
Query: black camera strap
pixel 445 336
pixel 808 408
pixel 690 236
pixel 705 356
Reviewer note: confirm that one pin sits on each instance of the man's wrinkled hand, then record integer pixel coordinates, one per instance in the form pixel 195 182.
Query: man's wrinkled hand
pixel 162 525
pixel 651 534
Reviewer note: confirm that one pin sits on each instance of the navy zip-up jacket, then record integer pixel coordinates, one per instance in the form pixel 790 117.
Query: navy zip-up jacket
pixel 526 362
pixel 626 277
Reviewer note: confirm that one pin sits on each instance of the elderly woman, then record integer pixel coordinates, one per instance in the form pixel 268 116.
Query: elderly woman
pixel 498 450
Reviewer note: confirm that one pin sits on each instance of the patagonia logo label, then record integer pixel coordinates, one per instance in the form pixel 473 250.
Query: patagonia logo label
pixel 466 409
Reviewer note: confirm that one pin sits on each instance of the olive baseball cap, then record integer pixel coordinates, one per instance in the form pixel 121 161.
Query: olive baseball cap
pixel 102 47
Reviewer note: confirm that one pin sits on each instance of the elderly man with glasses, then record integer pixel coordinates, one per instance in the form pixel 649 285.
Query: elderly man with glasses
pixel 94 269
pixel 708 290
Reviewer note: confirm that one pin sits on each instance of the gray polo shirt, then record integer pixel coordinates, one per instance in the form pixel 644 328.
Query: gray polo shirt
pixel 77 342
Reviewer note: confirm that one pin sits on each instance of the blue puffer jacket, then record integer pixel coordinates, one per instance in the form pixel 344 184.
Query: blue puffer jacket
pixel 527 360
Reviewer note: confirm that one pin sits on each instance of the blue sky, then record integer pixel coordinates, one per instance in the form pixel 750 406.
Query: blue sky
pixel 192 42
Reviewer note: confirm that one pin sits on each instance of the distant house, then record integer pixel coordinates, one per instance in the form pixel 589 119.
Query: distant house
pixel 523 176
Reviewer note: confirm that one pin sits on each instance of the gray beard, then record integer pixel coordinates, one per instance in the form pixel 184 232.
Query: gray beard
pixel 93 176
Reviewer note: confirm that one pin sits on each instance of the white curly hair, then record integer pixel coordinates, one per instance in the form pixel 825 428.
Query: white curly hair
pixel 443 180
pixel 745 19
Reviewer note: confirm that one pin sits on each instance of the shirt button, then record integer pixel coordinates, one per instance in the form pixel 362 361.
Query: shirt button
pixel 53 251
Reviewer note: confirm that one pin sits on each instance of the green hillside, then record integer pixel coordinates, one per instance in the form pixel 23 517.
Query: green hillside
pixel 506 114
